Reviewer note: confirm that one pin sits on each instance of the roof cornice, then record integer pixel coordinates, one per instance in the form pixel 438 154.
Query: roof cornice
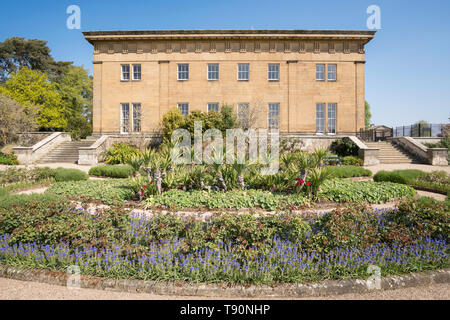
pixel 365 35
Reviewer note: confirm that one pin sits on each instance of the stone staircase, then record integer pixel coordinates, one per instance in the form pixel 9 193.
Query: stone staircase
pixel 66 152
pixel 390 153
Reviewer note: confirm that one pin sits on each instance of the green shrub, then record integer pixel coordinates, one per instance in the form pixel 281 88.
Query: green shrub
pixel 8 159
pixel 352 161
pixel 398 176
pixel 349 171
pixel 340 190
pixel 22 200
pixel 111 171
pixel 63 174
pixel 108 191
pixel 120 153
pixel 344 147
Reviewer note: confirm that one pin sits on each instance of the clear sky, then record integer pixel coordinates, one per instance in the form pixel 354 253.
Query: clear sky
pixel 408 62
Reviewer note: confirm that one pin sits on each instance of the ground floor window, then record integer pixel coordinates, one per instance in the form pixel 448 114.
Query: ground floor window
pixel 274 116
pixel 184 108
pixel 137 117
pixel 124 117
pixel 243 114
pixel 332 111
pixel 213 107
pixel 320 118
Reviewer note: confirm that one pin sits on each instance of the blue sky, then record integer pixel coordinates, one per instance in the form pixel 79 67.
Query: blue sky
pixel 408 62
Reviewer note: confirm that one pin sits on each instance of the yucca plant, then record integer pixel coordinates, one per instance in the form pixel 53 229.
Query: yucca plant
pixel 316 179
pixel 135 162
pixel 319 156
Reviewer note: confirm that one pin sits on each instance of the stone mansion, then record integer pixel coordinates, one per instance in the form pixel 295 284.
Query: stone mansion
pixel 301 81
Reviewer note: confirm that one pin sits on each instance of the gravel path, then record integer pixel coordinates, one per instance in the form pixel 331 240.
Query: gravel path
pixel 22 290
pixel 402 166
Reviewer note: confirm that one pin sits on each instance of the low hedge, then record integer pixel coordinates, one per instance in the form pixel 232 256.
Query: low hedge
pixel 352 161
pixel 349 171
pixel 63 174
pixel 399 176
pixel 111 171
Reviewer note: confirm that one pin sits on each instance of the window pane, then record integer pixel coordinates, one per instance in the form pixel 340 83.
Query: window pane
pixel 332 68
pixel 274 71
pixel 243 72
pixel 320 117
pixel 213 72
pixel 320 72
pixel 125 117
pixel 125 72
pixel 136 117
pixel 137 72
pixel 213 107
pixel 332 113
pixel 274 115
pixel 184 108
pixel 183 72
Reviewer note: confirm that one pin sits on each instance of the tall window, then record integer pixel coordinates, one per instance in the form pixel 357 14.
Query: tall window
pixel 125 76
pixel 274 72
pixel 184 108
pixel 124 118
pixel 136 72
pixel 320 118
pixel 243 114
pixel 320 72
pixel 136 117
pixel 213 107
pixel 332 111
pixel 243 71
pixel 183 72
pixel 274 115
pixel 332 72
pixel 213 71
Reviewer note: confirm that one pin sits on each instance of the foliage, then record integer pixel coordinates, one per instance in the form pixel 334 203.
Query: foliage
pixel 406 176
pixel 34 91
pixel 111 171
pixel 3 192
pixel 120 153
pixel 64 174
pixel 33 54
pixel 344 147
pixel 226 248
pixel 367 115
pixel 177 199
pixel 171 121
pixel 8 159
pixel 229 118
pixel 340 190
pixel 14 119
pixel 348 172
pixel 352 161
pixel 107 191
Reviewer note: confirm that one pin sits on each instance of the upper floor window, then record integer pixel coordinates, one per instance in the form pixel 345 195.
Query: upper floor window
pixel 274 116
pixel 243 71
pixel 320 72
pixel 184 108
pixel 125 72
pixel 274 72
pixel 213 107
pixel 213 71
pixel 183 72
pixel 136 72
pixel 332 72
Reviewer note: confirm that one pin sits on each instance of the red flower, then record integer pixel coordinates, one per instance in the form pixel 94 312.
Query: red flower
pixel 145 187
pixel 151 182
pixel 308 184
pixel 206 171
pixel 300 181
pixel 143 192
